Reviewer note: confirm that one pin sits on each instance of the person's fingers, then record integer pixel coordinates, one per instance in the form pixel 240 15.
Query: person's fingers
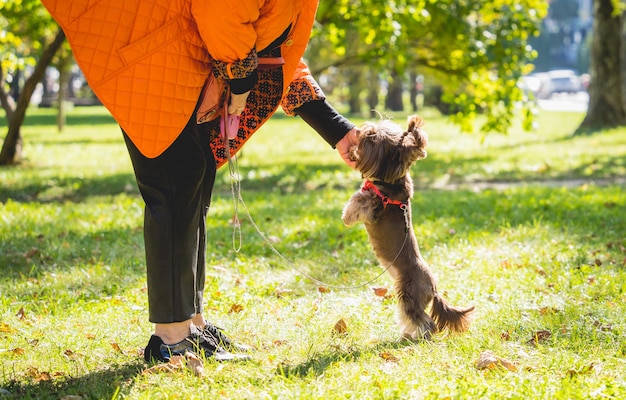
pixel 237 103
pixel 345 145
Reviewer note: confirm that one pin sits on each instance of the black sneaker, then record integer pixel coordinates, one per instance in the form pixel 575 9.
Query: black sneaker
pixel 224 341
pixel 197 343
pixel 152 352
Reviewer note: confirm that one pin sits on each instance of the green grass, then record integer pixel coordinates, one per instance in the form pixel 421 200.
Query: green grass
pixel 528 227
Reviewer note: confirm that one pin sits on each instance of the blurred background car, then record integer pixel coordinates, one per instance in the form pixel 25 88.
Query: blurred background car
pixel 557 82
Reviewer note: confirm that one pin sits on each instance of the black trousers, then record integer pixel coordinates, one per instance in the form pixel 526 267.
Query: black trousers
pixel 176 187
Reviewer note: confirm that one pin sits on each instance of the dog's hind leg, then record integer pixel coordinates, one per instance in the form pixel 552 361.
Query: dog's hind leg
pixel 414 322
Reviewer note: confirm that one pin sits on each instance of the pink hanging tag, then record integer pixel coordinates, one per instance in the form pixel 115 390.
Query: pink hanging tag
pixel 232 126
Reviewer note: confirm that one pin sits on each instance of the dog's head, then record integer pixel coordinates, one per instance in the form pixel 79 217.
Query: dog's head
pixel 386 152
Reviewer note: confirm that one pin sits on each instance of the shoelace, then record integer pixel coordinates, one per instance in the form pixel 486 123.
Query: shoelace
pixel 216 333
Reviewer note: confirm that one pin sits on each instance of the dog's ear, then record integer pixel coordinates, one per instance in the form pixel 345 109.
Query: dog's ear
pixel 415 124
pixel 369 152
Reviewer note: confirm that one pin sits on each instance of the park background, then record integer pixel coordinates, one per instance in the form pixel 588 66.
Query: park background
pixel 519 209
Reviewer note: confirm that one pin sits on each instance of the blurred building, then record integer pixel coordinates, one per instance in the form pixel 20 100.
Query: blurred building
pixel 565 36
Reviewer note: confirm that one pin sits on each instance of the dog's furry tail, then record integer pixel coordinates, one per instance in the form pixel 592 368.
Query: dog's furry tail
pixel 446 316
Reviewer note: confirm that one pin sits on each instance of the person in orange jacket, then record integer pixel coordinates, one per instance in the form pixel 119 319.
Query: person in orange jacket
pixel 147 61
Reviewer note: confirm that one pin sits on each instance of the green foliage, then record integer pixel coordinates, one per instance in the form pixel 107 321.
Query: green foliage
pixel 26 28
pixel 529 227
pixel 476 50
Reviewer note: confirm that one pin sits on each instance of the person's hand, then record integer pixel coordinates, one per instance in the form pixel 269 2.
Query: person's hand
pixel 345 145
pixel 237 103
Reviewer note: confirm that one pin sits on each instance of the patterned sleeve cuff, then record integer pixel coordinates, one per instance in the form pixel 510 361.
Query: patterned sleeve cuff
pixel 299 92
pixel 237 70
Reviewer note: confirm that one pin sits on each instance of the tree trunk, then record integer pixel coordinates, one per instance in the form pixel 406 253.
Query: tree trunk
pixel 11 149
pixel 413 90
pixel 623 60
pixel 354 90
pixel 372 92
pixel 64 82
pixel 394 93
pixel 607 103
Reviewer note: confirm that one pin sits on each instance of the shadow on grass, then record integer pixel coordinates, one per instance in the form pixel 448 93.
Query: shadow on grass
pixel 72 141
pixel 102 384
pixel 70 188
pixel 32 253
pixel 50 119
pixel 294 188
pixel 317 364
pixel 295 178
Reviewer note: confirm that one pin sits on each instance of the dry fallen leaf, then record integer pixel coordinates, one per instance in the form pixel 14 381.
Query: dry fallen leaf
pixel 44 376
pixel 235 308
pixel 488 360
pixel 178 363
pixel 117 347
pixel 388 357
pixel 5 328
pixel 194 364
pixel 602 326
pixel 380 291
pixel 506 335
pixel 38 376
pixel 323 289
pixel 21 314
pixel 539 337
pixel 508 364
pixel 168 367
pixel 340 328
pixel 18 351
pixel 32 252
pixel 548 311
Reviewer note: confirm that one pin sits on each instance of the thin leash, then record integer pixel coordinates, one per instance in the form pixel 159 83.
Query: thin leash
pixel 235 188
pixel 233 171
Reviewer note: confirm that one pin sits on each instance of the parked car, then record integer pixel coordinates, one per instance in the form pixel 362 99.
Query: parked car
pixel 560 81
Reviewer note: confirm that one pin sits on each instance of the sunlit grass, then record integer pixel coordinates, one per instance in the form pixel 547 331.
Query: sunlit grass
pixel 544 253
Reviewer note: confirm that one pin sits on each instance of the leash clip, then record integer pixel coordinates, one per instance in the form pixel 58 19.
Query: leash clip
pixel 405 210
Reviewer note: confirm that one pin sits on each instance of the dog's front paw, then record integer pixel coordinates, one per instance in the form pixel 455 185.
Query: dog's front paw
pixel 358 209
pixel 350 215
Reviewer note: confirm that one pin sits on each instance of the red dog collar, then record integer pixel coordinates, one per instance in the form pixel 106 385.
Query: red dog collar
pixel 368 185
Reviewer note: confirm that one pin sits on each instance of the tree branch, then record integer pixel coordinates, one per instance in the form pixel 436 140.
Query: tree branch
pixel 38 73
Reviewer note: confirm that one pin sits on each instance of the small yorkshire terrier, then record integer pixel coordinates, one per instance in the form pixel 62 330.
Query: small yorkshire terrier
pixel 384 155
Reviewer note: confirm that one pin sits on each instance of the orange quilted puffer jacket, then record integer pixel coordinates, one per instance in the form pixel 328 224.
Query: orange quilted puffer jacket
pixel 147 60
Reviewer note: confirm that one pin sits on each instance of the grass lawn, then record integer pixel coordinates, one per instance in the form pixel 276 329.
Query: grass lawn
pixel 529 227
